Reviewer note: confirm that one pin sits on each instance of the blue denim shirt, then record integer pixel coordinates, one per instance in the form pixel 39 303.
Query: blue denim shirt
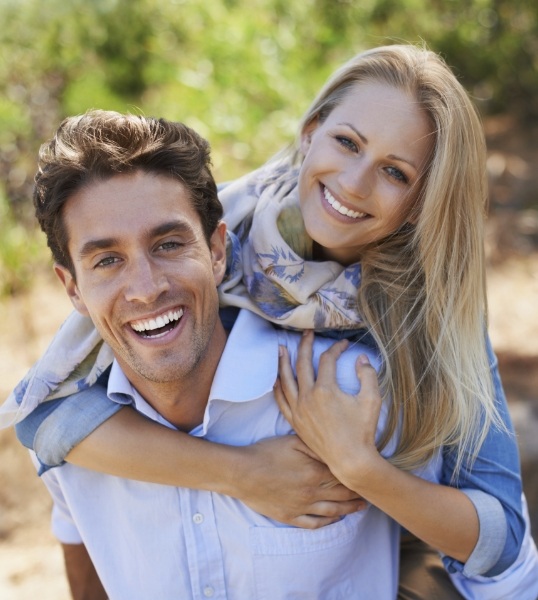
pixel 493 483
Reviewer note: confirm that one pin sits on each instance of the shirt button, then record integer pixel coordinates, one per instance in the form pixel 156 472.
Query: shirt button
pixel 198 518
pixel 208 591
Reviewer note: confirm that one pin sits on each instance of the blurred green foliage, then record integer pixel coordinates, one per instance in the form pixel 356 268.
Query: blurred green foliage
pixel 241 72
pixel 22 251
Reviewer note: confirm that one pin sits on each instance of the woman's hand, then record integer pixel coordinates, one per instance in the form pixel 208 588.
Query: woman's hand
pixel 280 478
pixel 338 427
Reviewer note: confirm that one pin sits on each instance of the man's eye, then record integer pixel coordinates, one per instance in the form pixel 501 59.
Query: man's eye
pixel 169 246
pixel 107 262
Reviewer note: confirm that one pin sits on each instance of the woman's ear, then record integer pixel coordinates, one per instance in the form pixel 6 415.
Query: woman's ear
pixel 306 134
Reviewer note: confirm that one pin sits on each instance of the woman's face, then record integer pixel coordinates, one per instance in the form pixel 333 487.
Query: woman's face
pixel 362 168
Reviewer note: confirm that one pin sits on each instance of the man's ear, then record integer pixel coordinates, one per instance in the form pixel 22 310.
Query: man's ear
pixel 70 285
pixel 306 134
pixel 217 245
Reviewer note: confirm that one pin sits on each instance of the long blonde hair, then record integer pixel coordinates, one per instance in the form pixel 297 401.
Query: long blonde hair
pixel 423 293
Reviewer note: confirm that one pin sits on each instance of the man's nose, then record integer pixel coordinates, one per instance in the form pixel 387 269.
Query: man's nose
pixel 146 282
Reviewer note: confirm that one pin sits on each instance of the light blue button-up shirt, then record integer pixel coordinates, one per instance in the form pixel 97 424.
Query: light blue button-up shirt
pixel 154 541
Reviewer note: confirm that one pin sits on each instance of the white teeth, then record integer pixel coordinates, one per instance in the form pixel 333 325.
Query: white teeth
pixel 339 207
pixel 157 323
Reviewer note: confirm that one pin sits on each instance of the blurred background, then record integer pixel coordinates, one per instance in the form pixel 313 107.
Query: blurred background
pixel 242 72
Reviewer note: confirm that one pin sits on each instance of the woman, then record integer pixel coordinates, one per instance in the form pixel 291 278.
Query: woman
pixel 405 197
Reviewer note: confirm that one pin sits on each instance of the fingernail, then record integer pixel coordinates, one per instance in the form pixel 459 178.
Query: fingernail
pixel 363 359
pixel 281 351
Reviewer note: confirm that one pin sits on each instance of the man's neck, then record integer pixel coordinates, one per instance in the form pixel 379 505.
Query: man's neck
pixel 182 402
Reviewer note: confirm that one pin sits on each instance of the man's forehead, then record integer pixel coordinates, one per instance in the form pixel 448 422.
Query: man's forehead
pixel 130 204
pixel 132 191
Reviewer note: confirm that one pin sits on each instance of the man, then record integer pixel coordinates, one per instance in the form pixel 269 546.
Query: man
pixel 132 218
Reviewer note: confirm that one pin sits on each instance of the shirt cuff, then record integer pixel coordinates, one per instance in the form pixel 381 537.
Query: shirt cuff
pixel 73 419
pixel 491 537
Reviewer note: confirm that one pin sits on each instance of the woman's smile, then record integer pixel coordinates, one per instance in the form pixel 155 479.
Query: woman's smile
pixel 339 208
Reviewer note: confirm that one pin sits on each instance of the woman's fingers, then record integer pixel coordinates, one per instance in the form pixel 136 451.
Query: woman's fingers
pixel 286 374
pixel 292 392
pixel 369 396
pixel 368 377
pixel 316 519
pixel 285 388
pixel 282 402
pixel 327 363
pixel 304 366
pixel 316 522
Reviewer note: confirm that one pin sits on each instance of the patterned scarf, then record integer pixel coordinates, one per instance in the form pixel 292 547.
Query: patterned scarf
pixel 270 271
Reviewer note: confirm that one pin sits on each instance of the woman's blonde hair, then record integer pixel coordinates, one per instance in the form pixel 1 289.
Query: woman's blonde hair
pixel 423 293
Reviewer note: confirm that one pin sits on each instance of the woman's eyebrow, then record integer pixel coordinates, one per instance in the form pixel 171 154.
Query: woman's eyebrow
pixel 364 140
pixel 405 160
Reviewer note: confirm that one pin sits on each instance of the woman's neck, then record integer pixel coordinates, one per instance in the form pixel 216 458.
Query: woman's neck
pixel 321 253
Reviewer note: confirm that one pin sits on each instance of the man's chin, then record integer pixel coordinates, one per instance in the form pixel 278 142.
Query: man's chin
pixel 156 372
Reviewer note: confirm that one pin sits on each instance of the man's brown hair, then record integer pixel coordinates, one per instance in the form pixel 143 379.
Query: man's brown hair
pixel 101 144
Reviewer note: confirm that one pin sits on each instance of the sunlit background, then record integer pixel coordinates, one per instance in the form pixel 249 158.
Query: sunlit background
pixel 242 72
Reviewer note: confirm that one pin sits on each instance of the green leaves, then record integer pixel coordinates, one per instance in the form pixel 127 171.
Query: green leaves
pixel 241 72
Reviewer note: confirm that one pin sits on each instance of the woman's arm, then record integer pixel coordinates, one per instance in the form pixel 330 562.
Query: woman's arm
pixel 277 477
pixel 493 483
pixel 340 428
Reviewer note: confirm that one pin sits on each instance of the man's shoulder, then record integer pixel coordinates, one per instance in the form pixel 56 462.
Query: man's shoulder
pixel 292 339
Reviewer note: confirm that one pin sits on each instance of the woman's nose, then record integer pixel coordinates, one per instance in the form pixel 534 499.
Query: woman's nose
pixel 356 179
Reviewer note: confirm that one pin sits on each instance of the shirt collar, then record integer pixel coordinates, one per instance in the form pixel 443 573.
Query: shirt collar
pixel 121 390
pixel 247 369
pixel 119 387
pixel 249 364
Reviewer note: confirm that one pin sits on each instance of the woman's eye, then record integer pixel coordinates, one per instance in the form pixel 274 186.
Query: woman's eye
pixel 347 143
pixel 397 174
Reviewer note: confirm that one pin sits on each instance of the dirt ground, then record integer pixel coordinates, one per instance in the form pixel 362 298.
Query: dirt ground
pixel 30 559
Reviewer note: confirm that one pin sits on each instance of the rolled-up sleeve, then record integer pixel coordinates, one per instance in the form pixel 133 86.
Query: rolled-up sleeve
pixel 55 427
pixel 493 484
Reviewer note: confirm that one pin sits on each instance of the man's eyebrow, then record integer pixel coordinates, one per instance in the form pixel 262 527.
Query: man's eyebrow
pixel 365 141
pixel 95 245
pixel 176 226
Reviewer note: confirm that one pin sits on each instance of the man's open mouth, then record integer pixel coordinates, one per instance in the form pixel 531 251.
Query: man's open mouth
pixel 159 326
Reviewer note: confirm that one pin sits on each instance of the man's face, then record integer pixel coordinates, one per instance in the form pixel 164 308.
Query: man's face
pixel 146 275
